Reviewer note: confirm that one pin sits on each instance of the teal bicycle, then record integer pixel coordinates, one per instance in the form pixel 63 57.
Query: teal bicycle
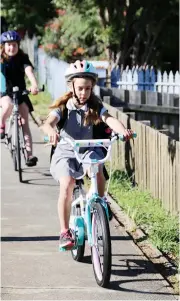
pixel 90 215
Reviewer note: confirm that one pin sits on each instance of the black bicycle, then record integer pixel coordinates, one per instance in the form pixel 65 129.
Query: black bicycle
pixel 14 136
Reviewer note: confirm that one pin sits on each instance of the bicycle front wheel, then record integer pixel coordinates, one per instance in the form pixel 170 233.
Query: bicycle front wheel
pixel 22 142
pixel 101 248
pixel 78 252
pixel 17 150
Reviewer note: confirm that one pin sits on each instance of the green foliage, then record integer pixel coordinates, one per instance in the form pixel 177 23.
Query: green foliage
pixel 134 31
pixel 41 103
pixel 72 42
pixel 29 15
pixel 128 33
pixel 148 214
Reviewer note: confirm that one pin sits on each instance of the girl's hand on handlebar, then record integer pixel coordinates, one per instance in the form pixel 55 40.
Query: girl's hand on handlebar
pixel 127 133
pixel 53 138
pixel 34 89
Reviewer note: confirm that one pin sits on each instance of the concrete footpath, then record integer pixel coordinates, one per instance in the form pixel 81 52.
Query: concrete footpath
pixel 31 266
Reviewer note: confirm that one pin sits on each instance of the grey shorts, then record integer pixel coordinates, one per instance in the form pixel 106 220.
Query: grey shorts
pixel 64 163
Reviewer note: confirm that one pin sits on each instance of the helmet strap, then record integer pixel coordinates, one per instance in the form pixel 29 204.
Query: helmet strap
pixel 74 94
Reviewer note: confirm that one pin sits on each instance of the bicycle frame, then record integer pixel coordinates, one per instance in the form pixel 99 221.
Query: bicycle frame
pixel 15 112
pixel 85 224
pixel 86 204
pixel 76 144
pixel 94 188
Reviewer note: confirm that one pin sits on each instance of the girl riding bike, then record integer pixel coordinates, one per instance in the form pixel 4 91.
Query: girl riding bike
pixel 85 109
pixel 15 66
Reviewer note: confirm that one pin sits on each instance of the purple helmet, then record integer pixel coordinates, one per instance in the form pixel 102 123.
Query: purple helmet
pixel 10 36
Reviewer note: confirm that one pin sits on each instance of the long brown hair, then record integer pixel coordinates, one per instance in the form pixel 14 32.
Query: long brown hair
pixel 4 56
pixel 92 114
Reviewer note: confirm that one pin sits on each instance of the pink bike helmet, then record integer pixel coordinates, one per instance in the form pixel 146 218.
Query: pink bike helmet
pixel 81 69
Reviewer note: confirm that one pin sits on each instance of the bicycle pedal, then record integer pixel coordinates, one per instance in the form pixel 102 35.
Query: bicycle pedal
pixel 74 248
pixel 64 249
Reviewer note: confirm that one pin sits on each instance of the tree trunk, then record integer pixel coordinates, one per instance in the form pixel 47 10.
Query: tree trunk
pixel 108 74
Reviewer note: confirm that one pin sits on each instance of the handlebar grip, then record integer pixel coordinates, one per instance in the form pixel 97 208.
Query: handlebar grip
pixel 46 139
pixel 122 138
pixel 27 92
pixel 42 89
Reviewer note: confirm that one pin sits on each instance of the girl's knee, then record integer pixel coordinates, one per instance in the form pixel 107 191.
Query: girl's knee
pixel 66 183
pixel 66 189
pixel 6 102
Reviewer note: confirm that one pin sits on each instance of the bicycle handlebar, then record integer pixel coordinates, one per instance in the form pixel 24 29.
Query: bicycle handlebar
pixel 26 92
pixel 76 144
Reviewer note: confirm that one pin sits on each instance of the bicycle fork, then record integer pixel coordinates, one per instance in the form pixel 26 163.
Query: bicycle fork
pixel 88 217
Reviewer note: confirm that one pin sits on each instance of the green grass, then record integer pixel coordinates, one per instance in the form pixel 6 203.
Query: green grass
pixel 41 103
pixel 147 213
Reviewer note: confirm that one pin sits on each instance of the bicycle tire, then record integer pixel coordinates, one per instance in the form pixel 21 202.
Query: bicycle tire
pixel 102 276
pixel 13 141
pixel 22 142
pixel 17 147
pixel 14 160
pixel 78 253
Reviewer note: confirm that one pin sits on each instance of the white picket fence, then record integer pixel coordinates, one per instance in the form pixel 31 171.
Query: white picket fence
pixel 148 79
pixel 168 83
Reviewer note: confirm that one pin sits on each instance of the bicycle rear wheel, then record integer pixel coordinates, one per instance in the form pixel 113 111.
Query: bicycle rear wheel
pixel 101 248
pixel 17 150
pixel 78 252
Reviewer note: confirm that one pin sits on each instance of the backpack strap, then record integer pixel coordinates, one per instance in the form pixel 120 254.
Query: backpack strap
pixel 59 125
pixel 64 115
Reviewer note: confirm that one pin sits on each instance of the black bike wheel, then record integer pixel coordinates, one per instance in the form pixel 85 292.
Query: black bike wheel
pixel 17 148
pixel 22 142
pixel 13 146
pixel 78 253
pixel 101 239
pixel 14 160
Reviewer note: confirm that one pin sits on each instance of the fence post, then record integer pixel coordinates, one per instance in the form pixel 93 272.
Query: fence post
pixel 120 109
pixel 164 131
pixel 107 99
pixel 131 114
pixel 146 122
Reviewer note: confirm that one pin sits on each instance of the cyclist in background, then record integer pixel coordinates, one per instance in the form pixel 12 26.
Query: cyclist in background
pixel 15 66
pixel 85 109
pixel 3 60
